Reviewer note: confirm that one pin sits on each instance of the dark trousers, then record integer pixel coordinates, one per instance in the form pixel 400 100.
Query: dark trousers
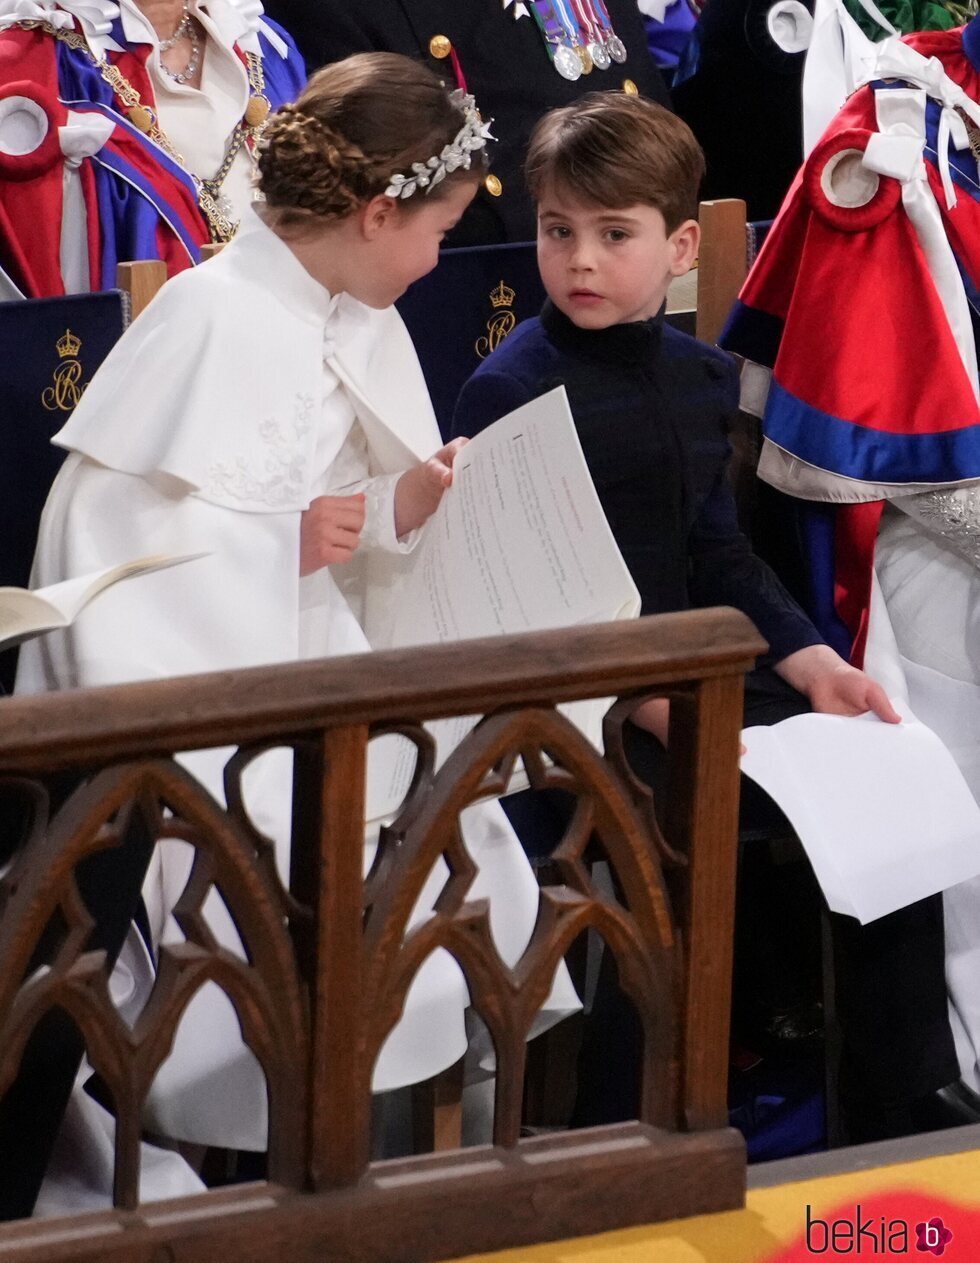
pixel 32 1109
pixel 889 975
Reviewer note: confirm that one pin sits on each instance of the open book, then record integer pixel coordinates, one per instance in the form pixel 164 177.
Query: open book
pixel 882 810
pixel 25 614
pixel 518 543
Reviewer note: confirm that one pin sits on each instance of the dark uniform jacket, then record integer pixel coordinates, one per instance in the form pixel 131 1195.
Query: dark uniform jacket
pixel 652 407
pixel 506 67
pixel 744 104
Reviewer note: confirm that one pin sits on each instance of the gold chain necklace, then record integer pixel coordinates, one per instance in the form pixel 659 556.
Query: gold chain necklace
pixel 248 129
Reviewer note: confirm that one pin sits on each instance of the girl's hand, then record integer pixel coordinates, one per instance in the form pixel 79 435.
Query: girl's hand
pixel 419 490
pixel 329 532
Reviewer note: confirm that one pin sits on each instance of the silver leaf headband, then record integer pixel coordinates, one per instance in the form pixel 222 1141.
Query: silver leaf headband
pixel 470 138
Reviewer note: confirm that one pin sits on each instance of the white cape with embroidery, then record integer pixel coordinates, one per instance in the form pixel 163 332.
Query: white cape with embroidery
pixel 225 409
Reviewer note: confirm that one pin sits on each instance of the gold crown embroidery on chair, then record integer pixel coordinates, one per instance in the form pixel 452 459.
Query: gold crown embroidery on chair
pixel 67 387
pixel 501 324
pixel 503 296
pixel 68 346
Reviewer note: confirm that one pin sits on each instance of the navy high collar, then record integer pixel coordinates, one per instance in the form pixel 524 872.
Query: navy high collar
pixel 632 343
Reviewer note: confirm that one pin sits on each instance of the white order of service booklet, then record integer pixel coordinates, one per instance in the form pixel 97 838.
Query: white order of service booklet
pixel 518 543
pixel 882 810
pixel 25 613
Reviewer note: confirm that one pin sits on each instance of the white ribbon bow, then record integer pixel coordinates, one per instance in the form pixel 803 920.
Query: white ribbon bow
pixel 14 11
pixel 84 136
pixel 95 17
pixel 655 9
pixel 896 150
pixel 241 22
pixel 896 60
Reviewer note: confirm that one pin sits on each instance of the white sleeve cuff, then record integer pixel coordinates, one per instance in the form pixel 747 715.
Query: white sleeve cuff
pixel 379 514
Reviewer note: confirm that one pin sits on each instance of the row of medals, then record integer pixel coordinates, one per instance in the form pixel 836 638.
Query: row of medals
pixel 574 60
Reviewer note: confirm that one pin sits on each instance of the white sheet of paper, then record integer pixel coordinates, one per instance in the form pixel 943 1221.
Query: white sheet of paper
pixel 518 543
pixel 882 810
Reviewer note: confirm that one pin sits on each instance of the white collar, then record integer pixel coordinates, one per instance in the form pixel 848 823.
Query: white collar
pixel 234 21
pixel 265 254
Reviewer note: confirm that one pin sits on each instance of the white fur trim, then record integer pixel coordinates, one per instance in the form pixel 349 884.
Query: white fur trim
pixel 23 126
pixel 790 26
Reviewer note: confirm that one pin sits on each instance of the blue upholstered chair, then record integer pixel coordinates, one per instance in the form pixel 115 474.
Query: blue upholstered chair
pixel 49 349
pixel 457 314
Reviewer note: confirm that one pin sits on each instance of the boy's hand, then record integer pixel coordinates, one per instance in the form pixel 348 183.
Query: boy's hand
pixel 329 531
pixel 851 692
pixel 654 716
pixel 419 490
pixel 833 686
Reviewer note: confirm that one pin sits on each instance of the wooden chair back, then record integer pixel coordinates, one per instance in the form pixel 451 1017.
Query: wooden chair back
pixel 722 263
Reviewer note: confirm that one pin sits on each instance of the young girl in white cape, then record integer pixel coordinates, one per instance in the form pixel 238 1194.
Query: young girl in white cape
pixel 269 408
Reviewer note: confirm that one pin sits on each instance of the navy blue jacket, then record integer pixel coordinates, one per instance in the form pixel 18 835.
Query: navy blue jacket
pixel 652 407
pixel 505 65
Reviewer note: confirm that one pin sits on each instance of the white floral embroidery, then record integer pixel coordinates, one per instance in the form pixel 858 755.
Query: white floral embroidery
pixel 953 514
pixel 276 476
pixel 379 515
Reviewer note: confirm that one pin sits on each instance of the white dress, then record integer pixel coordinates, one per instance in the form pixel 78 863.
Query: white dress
pixel 204 466
pixel 927 563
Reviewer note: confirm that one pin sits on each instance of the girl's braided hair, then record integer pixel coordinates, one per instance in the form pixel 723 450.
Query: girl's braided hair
pixel 356 124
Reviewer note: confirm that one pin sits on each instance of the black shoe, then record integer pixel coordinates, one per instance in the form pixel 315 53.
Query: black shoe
pixel 955 1105
pixel 799 1027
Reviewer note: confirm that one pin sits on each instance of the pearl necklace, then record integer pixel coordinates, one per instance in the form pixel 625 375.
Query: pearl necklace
pixel 187 29
pixel 179 31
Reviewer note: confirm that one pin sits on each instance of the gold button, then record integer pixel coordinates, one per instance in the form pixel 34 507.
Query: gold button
pixel 493 186
pixel 440 46
pixel 630 88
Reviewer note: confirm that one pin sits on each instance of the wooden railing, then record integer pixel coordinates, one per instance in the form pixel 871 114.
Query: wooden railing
pixel 329 961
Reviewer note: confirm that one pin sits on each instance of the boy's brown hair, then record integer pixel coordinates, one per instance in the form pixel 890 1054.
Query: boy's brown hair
pixel 611 149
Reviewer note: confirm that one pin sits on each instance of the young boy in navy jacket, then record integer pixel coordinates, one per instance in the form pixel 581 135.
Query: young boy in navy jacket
pixel 615 180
